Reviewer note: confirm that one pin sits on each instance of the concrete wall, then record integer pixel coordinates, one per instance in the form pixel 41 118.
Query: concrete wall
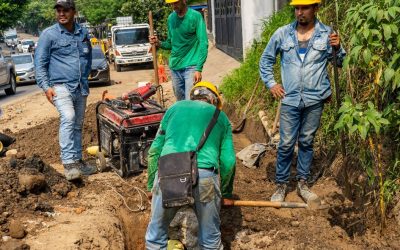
pixel 253 14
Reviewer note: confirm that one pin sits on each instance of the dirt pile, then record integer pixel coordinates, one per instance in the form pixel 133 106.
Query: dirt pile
pixel 27 186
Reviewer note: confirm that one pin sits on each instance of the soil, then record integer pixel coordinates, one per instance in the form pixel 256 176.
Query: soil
pixel 39 209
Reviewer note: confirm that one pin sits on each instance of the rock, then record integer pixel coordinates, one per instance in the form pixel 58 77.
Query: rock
pixel 6 238
pixel 28 123
pixel 32 183
pixel 13 162
pixel 11 153
pixel 295 223
pixel 21 156
pixel 249 218
pixel 16 229
pixel 184 227
pixel 79 210
pixel 245 239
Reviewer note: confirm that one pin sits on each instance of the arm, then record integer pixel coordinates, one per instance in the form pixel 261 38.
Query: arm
pixel 167 43
pixel 42 59
pixel 201 34
pixel 268 60
pixel 154 154
pixel 227 163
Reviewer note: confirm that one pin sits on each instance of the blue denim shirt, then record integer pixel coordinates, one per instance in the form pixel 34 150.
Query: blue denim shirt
pixel 64 58
pixel 302 80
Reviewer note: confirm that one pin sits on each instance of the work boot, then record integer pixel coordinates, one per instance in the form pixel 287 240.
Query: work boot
pixel 280 193
pixel 305 193
pixel 86 169
pixel 71 171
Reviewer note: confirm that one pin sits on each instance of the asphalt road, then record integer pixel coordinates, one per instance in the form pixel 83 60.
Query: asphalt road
pixel 22 89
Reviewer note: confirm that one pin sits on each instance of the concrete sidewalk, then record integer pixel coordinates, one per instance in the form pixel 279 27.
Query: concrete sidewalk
pixel 218 65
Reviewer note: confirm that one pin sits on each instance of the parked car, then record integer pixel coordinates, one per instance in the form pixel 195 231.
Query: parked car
pixel 8 81
pixel 27 46
pixel 100 72
pixel 24 66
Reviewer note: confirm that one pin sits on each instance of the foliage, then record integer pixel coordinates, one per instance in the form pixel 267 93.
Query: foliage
pixel 39 14
pixel 139 10
pixel 96 12
pixel 10 12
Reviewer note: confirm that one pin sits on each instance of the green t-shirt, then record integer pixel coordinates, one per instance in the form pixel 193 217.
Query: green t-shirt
pixel 187 40
pixel 180 131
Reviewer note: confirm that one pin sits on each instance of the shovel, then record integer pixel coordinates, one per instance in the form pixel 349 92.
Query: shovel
pixel 240 126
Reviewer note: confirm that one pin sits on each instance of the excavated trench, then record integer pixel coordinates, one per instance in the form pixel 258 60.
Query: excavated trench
pixel 348 222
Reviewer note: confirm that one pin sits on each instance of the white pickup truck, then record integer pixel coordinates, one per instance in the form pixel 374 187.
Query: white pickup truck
pixel 130 45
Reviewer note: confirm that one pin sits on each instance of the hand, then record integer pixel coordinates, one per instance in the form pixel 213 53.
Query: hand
pixel 227 202
pixel 277 91
pixel 197 77
pixel 50 94
pixel 334 40
pixel 154 41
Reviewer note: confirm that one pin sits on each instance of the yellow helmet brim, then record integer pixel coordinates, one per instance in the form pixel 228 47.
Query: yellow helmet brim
pixel 304 2
pixel 171 1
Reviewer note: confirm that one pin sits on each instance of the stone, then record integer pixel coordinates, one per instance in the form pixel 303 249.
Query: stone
pixel 20 156
pixel 295 223
pixel 245 239
pixel 16 229
pixel 32 183
pixel 11 153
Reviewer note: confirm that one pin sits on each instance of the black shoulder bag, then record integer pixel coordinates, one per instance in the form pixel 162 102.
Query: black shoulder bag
pixel 178 172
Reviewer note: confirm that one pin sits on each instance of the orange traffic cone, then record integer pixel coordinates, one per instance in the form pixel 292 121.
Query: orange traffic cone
pixel 162 77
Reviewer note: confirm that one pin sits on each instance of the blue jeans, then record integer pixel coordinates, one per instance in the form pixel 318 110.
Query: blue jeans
pixel 297 124
pixel 71 107
pixel 207 206
pixel 182 82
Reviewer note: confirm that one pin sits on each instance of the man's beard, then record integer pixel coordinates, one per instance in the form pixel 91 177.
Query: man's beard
pixel 302 21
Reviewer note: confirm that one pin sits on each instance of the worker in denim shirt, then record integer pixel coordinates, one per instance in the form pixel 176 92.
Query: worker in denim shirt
pixel 305 47
pixel 63 62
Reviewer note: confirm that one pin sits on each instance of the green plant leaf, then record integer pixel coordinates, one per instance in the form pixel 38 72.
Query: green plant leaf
pixel 389 73
pixel 395 29
pixel 363 131
pixel 379 16
pixel 367 56
pixel 387 31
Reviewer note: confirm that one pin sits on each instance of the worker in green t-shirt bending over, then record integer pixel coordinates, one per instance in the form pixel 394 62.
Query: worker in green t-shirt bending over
pixel 187 40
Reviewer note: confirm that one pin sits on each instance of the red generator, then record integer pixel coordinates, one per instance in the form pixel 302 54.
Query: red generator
pixel 126 127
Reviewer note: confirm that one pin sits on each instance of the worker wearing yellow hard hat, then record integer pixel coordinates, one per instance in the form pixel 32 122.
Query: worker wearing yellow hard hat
pixel 188 42
pixel 305 48
pixel 208 91
pixel 181 130
pixel 300 2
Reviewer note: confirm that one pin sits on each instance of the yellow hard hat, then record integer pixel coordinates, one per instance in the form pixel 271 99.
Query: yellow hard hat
pixel 212 89
pixel 171 1
pixel 305 2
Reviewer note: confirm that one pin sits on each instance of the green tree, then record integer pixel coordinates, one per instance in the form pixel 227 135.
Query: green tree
pixel 97 12
pixel 10 12
pixel 38 15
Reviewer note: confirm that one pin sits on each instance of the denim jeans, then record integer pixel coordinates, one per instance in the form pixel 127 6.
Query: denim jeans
pixel 71 107
pixel 182 82
pixel 297 124
pixel 207 206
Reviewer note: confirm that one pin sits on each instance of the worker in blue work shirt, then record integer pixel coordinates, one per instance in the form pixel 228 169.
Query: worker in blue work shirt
pixel 63 62
pixel 305 46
